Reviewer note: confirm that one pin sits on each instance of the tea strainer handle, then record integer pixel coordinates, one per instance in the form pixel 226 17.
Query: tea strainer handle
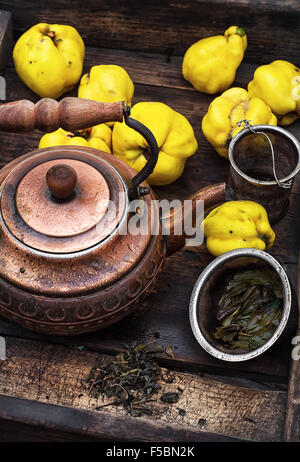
pixel 152 155
pixel 247 125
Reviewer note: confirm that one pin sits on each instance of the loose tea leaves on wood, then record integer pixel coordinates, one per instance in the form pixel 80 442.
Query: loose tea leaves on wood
pixel 250 309
pixel 130 379
pixel 170 397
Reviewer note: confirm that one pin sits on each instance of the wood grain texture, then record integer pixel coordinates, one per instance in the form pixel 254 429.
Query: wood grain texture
pixel 292 417
pixel 6 38
pixel 100 426
pixel 56 375
pixel 170 300
pixel 48 114
pixel 292 420
pixel 143 67
pixel 15 432
pixel 170 26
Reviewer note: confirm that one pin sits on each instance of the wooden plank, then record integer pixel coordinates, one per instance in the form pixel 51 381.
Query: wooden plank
pixel 15 432
pixel 172 26
pixel 99 426
pixel 6 37
pixel 292 421
pixel 164 71
pixel 152 68
pixel 41 373
pixel 292 418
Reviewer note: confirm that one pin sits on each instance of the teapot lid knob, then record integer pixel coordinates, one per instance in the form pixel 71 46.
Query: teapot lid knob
pixel 61 180
pixel 41 207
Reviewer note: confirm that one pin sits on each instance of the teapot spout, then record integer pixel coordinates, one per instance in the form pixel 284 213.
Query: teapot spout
pixel 176 219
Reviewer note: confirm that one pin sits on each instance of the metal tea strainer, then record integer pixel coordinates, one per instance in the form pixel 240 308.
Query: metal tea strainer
pixel 264 160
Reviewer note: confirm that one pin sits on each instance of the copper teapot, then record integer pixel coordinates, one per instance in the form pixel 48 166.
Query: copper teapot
pixel 59 273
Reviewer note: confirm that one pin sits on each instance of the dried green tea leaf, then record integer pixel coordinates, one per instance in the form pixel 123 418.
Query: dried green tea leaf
pixel 169 351
pixel 130 379
pixel 170 397
pixel 250 309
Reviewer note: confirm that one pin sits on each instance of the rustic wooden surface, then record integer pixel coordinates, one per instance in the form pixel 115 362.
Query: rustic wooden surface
pixel 56 375
pixel 169 26
pixel 292 417
pixel 6 35
pixel 292 421
pixel 255 391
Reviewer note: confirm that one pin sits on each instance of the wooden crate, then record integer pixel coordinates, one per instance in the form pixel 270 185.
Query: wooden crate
pixel 41 393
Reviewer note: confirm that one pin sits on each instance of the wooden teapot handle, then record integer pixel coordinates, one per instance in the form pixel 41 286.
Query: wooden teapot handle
pixel 74 114
pixel 48 114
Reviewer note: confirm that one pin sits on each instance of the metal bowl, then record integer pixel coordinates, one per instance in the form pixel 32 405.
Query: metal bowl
pixel 207 291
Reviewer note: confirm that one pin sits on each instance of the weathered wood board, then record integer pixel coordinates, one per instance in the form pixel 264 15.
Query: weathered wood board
pixel 168 26
pixel 57 375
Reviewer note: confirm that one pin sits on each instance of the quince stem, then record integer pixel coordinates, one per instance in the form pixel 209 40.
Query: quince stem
pixel 240 31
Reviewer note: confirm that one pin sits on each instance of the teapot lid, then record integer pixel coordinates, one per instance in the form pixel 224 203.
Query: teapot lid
pixel 62 200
